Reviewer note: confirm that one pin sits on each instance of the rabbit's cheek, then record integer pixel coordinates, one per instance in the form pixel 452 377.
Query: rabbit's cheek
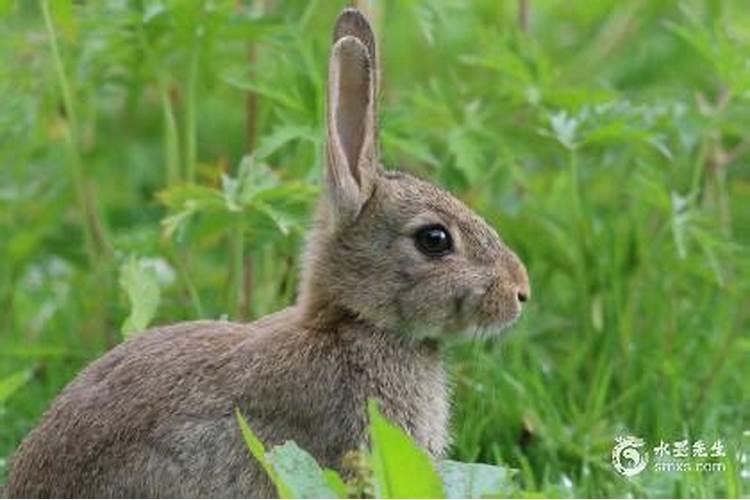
pixel 472 302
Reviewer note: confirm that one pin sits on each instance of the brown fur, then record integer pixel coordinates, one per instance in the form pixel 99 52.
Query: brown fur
pixel 154 417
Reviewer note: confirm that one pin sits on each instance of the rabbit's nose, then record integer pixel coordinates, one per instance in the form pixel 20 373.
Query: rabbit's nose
pixel 523 290
pixel 518 276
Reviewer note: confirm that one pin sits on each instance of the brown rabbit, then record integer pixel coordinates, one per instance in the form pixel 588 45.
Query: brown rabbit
pixel 393 265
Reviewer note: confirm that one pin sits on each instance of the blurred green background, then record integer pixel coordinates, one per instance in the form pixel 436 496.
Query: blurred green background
pixel 606 141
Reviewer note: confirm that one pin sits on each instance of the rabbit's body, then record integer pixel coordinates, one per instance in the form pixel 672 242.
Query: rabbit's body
pixel 172 431
pixel 393 266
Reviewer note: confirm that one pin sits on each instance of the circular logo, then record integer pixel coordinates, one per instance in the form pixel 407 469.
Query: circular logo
pixel 627 457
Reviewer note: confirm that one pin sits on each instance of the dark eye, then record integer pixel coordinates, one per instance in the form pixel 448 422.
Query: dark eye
pixel 434 241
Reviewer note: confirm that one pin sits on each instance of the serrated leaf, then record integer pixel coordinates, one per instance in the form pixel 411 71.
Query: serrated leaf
pixel 270 143
pixel 462 480
pixel 200 197
pixel 564 129
pixel 283 221
pixel 300 472
pixel 416 149
pixel 142 288
pixel 264 90
pixel 400 467
pixel 466 153
pixel 174 222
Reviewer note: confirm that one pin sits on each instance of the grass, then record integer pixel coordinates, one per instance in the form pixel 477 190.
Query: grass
pixel 606 141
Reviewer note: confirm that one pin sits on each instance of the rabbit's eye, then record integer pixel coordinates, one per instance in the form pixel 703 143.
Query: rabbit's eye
pixel 434 241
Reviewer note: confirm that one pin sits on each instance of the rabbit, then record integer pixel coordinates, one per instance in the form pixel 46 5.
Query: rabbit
pixel 394 267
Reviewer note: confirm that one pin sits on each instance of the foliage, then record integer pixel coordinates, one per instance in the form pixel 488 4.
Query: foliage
pixel 395 468
pixel 606 141
pixel 142 289
pixel 400 469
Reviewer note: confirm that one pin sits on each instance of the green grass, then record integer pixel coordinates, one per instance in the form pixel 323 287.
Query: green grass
pixel 607 142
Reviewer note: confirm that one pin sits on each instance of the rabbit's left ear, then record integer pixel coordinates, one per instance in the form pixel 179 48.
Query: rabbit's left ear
pixel 352 22
pixel 351 122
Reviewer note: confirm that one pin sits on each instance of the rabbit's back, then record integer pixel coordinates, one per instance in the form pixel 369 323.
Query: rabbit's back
pixel 152 417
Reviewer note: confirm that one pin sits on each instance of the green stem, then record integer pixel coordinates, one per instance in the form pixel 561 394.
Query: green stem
pixel 171 137
pixel 725 207
pixel 699 166
pixel 575 186
pixel 191 153
pixel 237 270
pixel 96 241
pixel 183 268
pixel 581 228
pixel 171 132
pixel 62 80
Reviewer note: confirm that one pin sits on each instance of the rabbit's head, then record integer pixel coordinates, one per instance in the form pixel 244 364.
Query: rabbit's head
pixel 389 248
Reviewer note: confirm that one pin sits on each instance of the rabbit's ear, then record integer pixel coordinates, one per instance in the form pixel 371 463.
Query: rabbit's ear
pixel 352 22
pixel 351 121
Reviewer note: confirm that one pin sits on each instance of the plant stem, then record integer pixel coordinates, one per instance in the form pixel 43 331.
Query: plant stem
pixel 237 245
pixel 62 80
pixel 171 137
pixel 183 268
pixel 251 109
pixel 575 183
pixel 251 132
pixel 583 234
pixel 523 15
pixel 171 132
pixel 699 165
pixel 191 153
pixel 96 241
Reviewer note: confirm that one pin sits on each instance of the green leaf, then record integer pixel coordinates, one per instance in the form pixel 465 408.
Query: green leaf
pixel 254 177
pixel 271 92
pixel 300 472
pixel 336 483
pixel 12 383
pixel 565 129
pixel 415 149
pixel 257 449
pixel 466 152
pixel 269 144
pixel 257 197
pixel 199 197
pixel 283 223
pixel 140 284
pixel 463 480
pixel 401 468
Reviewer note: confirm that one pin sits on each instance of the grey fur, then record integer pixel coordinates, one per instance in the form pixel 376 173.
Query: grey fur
pixel 154 417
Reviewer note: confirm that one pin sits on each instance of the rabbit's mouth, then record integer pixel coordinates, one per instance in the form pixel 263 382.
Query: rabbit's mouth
pixel 487 313
pixel 492 328
pixel 472 317
pixel 461 332
pixel 487 328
